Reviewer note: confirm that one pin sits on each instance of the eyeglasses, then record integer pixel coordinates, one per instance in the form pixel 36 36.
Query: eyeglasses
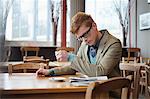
pixel 85 35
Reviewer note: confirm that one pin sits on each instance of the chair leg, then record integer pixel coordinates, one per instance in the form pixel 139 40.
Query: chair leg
pixel 141 89
pixel 147 94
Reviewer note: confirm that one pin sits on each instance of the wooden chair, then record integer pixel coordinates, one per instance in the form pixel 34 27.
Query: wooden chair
pixel 99 90
pixel 144 81
pixel 144 75
pixel 133 54
pixel 132 72
pixel 25 53
pixel 25 66
pixel 35 58
pixel 68 49
pixel 148 82
pixel 145 60
pixel 25 50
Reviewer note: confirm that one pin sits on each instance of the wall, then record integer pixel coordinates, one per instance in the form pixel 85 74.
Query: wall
pixel 140 38
pixel 143 37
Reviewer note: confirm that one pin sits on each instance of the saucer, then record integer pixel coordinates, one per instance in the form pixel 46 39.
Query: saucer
pixel 57 79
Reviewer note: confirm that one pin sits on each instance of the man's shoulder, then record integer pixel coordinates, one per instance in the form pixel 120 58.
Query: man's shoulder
pixel 108 35
pixel 103 30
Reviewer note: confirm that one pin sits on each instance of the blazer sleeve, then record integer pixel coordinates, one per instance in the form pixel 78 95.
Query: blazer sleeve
pixel 63 70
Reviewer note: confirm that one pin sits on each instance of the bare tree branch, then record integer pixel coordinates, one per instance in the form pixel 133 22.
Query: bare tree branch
pixel 55 10
pixel 123 18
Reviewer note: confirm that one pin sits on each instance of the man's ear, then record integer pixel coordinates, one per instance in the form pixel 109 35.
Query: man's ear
pixel 94 25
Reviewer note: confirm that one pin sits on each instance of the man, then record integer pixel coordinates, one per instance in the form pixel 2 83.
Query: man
pixel 99 53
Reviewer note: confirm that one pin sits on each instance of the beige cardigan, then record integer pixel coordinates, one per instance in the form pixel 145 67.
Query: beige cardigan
pixel 107 59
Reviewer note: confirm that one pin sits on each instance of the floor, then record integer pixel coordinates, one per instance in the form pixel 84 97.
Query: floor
pixel 141 96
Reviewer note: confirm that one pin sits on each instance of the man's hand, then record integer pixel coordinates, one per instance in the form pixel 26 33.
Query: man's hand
pixel 42 71
pixel 61 55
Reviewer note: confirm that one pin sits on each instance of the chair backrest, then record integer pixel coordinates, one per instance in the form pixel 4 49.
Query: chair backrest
pixel 145 60
pixel 132 72
pixel 36 60
pixel 25 50
pixel 134 53
pixel 99 90
pixel 68 49
pixel 25 67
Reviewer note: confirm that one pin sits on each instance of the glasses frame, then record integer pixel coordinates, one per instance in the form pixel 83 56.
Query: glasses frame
pixel 85 35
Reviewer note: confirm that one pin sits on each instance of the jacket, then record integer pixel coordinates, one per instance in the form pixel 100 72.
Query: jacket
pixel 107 59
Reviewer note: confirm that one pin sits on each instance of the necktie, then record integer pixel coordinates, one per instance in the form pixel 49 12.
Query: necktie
pixel 92 55
pixel 92 52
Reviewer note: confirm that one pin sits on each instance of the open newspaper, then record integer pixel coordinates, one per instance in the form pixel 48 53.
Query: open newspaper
pixel 84 81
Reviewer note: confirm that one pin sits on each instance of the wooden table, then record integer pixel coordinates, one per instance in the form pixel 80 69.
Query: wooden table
pixel 28 86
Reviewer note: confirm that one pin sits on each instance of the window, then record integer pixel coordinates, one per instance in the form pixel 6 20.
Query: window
pixel 30 20
pixel 105 15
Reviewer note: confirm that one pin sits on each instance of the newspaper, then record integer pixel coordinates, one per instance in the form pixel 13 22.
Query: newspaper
pixel 84 81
